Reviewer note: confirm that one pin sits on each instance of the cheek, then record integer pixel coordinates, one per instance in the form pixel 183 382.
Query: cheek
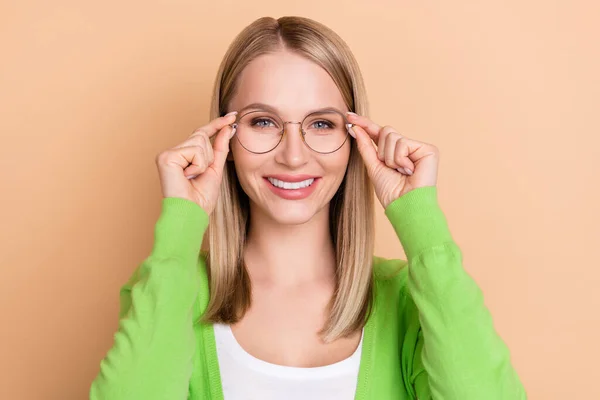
pixel 243 160
pixel 339 161
pixel 246 165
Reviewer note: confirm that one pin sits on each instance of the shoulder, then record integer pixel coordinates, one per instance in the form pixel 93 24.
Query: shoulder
pixel 391 289
pixel 390 277
pixel 390 271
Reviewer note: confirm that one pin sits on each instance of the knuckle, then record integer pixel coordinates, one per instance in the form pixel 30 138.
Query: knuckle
pixel 199 132
pixel 434 149
pixel 208 143
pixel 161 157
pixel 390 160
pixel 201 151
pixel 398 158
pixel 392 138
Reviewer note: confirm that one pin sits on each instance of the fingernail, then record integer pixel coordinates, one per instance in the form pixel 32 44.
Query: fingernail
pixel 351 131
pixel 233 131
pixel 408 171
pixel 230 114
pixel 351 113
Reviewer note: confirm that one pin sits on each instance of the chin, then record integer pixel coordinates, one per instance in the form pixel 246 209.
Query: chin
pixel 291 214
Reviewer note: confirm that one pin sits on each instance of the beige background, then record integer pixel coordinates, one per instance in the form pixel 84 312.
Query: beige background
pixel 90 93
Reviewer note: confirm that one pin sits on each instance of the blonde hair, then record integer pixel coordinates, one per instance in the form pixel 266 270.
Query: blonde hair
pixel 351 208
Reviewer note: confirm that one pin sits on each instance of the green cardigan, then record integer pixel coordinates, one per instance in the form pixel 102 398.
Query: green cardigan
pixel 430 335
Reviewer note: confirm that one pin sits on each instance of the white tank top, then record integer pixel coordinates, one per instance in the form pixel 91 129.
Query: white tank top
pixel 246 377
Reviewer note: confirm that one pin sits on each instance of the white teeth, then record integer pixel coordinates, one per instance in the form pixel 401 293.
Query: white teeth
pixel 290 185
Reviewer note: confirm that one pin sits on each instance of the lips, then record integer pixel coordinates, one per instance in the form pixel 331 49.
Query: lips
pixel 291 178
pixel 293 194
pixel 291 185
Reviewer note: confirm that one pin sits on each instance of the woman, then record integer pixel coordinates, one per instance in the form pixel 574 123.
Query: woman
pixel 289 301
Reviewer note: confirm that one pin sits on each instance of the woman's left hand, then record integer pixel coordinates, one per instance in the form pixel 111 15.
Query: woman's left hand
pixel 417 161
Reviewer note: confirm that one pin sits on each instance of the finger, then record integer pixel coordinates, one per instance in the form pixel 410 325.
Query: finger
pixel 368 126
pixel 401 158
pixel 391 140
pixel 221 147
pixel 191 159
pixel 418 152
pixel 366 147
pixel 199 138
pixel 382 145
pixel 216 124
pixel 210 156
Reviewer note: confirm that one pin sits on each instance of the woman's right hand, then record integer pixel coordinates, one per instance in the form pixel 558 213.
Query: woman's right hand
pixel 193 170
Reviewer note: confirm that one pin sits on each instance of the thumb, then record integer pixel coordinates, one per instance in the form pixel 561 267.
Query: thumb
pixel 366 147
pixel 221 147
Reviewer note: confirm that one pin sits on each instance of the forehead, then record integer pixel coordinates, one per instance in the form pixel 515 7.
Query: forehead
pixel 291 83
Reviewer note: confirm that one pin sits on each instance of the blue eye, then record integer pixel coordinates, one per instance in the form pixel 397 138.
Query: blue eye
pixel 322 124
pixel 262 122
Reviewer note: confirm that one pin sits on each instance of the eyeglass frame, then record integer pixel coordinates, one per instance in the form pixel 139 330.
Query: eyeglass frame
pixel 347 124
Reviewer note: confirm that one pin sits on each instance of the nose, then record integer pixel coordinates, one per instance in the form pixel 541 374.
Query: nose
pixel 292 151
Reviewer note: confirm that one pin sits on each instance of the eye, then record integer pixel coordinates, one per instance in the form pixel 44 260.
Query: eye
pixel 322 124
pixel 262 122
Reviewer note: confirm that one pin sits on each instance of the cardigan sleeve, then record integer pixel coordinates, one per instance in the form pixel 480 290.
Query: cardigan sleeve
pixel 458 353
pixel 152 354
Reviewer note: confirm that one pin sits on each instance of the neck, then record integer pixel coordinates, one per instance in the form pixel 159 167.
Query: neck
pixel 289 255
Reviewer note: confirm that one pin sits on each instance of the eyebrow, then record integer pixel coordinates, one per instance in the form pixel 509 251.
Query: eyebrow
pixel 266 107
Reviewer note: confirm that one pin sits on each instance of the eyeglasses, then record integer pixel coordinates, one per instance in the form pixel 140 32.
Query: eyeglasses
pixel 323 131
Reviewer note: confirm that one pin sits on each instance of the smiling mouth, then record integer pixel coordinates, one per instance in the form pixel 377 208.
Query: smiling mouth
pixel 291 185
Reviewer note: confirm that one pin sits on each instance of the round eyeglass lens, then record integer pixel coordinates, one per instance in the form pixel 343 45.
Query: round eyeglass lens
pixel 259 131
pixel 325 131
